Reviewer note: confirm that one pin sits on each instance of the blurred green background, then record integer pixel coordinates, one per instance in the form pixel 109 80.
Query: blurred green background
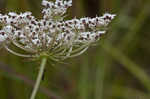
pixel 117 68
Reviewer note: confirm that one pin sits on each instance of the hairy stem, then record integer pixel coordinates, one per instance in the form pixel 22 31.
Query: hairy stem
pixel 39 77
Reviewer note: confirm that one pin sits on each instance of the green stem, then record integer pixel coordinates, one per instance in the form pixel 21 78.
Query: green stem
pixel 129 65
pixel 39 77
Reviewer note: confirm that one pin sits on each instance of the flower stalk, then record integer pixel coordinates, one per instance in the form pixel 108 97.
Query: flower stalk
pixel 39 77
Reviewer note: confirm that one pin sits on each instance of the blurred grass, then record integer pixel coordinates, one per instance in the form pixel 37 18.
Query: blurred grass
pixel 118 68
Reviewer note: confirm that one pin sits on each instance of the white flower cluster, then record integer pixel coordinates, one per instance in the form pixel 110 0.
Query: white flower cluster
pixel 52 35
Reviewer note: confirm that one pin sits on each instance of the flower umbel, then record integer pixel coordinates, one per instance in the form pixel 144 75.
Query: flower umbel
pixel 52 35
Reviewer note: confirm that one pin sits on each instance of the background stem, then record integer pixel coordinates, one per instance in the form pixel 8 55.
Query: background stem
pixel 39 77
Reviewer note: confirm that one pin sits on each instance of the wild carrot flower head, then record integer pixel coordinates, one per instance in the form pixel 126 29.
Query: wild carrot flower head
pixel 51 35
